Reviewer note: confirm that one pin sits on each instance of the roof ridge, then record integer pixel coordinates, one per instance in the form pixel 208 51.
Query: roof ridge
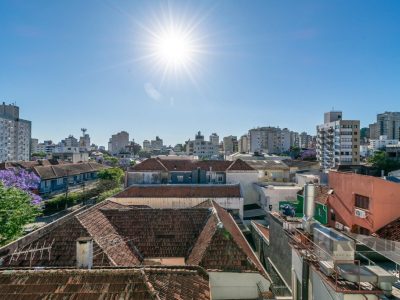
pixel 152 291
pixel 159 161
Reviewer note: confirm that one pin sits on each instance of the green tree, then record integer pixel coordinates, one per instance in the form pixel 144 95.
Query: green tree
pixel 114 174
pixel 16 210
pixel 380 161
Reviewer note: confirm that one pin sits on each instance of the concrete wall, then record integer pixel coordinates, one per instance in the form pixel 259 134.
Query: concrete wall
pixel 279 249
pixel 271 195
pixel 229 285
pixel 227 203
pixel 384 199
pixel 246 180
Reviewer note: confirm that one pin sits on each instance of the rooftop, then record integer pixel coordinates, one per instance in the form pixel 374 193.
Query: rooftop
pixel 125 236
pixel 158 164
pixel 62 170
pixel 131 283
pixel 181 191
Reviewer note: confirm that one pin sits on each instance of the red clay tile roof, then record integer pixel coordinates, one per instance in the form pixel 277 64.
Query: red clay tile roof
pixel 240 165
pixel 159 232
pixel 62 170
pixel 124 236
pixel 262 229
pixel 187 165
pixel 181 191
pixel 136 283
pixel 390 231
pixel 321 194
pixel 150 164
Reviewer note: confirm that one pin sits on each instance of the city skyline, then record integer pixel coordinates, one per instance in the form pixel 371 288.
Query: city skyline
pixel 268 64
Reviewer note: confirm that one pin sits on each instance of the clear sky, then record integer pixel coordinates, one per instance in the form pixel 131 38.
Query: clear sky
pixel 72 64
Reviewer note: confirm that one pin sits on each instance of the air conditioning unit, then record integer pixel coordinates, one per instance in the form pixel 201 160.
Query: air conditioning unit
pixel 360 213
pixel 338 225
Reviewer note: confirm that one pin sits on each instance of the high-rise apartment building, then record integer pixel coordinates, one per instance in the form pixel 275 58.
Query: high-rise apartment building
pixel 230 144
pixel 243 146
pixel 15 134
pixel 214 139
pixel 118 142
pixel 157 144
pixel 305 140
pixel 270 140
pixel 388 123
pixel 338 141
pixel 201 148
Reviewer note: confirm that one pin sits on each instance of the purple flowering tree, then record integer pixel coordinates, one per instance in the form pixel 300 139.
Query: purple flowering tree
pixel 309 154
pixel 23 180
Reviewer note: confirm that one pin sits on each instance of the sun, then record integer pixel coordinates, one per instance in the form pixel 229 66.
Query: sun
pixel 173 48
pixel 174 44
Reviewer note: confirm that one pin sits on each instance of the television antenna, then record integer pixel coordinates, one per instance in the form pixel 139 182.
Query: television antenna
pixel 31 252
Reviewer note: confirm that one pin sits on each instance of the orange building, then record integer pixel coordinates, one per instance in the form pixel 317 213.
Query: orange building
pixel 363 203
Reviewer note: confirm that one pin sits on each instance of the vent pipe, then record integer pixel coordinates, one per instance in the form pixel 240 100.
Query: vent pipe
pixel 308 207
pixel 84 252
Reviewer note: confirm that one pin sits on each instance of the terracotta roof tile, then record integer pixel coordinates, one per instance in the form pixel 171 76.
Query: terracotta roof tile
pixel 149 283
pixel 321 194
pixel 181 191
pixel 390 231
pixel 62 170
pixel 240 165
pixel 124 236
pixel 188 165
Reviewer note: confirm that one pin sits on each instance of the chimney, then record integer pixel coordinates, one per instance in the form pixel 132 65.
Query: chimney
pixel 84 252
pixel 308 206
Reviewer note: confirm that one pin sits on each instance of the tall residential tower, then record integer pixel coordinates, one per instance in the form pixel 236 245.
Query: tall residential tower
pixel 15 134
pixel 338 141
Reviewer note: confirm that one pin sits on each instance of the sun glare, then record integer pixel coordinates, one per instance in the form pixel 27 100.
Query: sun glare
pixel 174 44
pixel 173 48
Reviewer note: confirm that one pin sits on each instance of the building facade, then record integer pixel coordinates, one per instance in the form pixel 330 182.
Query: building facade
pixel 243 146
pixel 201 148
pixel 118 142
pixel 270 140
pixel 338 141
pixel 15 134
pixel 388 123
pixel 230 144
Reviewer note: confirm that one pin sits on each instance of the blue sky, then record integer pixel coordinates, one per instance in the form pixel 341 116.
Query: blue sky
pixel 72 64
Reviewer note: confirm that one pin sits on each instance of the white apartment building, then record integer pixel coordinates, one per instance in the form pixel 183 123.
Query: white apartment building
pixel 270 140
pixel 201 148
pixel 15 134
pixel 382 142
pixel 146 146
pixel 243 146
pixel 230 144
pixel 214 139
pixel 338 141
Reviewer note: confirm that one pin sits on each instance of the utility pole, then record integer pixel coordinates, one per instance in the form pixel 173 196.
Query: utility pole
pixel 67 190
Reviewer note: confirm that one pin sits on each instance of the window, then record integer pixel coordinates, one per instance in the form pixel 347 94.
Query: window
pixel 220 178
pixel 361 202
pixel 180 178
pixel 333 215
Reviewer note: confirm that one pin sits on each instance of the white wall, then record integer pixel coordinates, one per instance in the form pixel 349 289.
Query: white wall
pixel 246 179
pixel 229 285
pixel 273 194
pixel 228 203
